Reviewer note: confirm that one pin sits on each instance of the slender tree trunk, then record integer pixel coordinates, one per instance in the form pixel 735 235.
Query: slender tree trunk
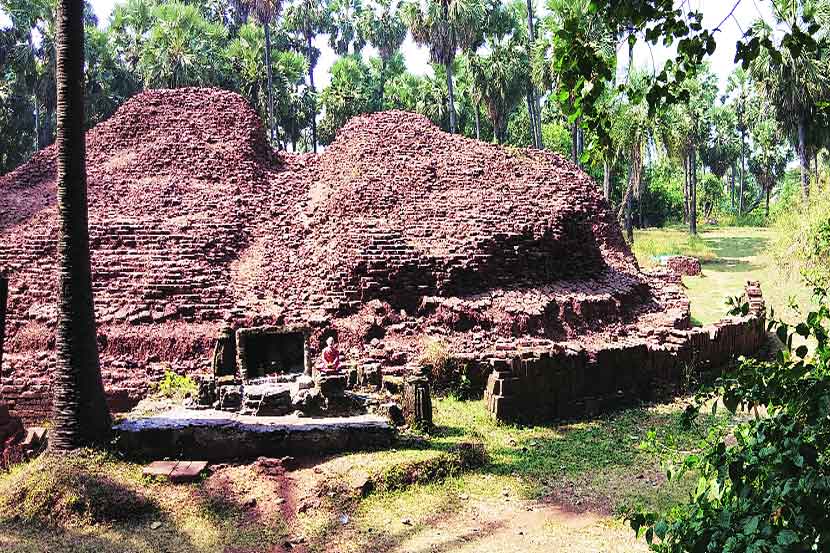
pixel 532 117
pixel 478 123
pixel 268 70
pixel 4 296
pixel 314 91
pixel 80 416
pixel 732 187
pixel 536 119
pixel 802 157
pixel 451 96
pixel 767 206
pixel 574 142
pixel 743 173
pixel 382 82
pixel 686 189
pixel 693 193
pixel 606 179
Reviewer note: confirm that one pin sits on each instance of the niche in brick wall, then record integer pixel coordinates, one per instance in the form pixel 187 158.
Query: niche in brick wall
pixel 268 350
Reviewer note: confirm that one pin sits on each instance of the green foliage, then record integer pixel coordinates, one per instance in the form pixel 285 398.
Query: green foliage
pixel 768 488
pixel 460 458
pixel 175 386
pixel 803 243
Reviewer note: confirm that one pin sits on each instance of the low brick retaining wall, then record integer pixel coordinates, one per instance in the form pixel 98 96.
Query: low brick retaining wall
pixel 567 380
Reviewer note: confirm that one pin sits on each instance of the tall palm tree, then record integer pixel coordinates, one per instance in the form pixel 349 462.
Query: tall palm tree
pixel 266 11
pixel 740 85
pixel 446 26
pixel 80 416
pixel 796 83
pixel 384 29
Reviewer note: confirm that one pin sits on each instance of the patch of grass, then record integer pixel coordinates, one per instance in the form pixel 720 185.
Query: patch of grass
pixel 81 487
pixel 735 255
pixel 651 244
pixel 91 501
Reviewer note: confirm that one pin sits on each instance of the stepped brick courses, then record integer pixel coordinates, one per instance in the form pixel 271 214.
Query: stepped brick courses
pixel 397 231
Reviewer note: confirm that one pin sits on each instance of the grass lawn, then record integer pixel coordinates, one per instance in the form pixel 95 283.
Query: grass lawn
pixel 729 256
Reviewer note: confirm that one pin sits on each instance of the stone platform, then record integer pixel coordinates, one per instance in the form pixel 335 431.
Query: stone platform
pixel 217 435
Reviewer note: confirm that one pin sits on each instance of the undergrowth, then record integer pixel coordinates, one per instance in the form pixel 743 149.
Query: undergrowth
pixel 84 486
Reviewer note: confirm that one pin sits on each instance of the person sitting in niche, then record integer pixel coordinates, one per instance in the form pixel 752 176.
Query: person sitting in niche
pixel 331 357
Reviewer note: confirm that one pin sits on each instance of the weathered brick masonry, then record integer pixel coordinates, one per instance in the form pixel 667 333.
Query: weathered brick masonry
pixel 398 233
pixel 567 380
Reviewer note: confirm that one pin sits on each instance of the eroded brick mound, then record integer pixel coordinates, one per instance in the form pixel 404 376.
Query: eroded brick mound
pixel 396 231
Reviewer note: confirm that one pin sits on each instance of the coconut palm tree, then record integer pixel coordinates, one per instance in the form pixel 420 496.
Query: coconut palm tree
pixel 796 82
pixel 80 416
pixel 266 11
pixel 383 28
pixel 446 26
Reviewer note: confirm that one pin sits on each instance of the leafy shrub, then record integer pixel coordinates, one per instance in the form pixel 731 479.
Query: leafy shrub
pixel 769 491
pixel 82 486
pixel 802 243
pixel 175 386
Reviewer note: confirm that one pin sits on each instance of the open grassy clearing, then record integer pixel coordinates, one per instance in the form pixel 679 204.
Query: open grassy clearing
pixel 729 257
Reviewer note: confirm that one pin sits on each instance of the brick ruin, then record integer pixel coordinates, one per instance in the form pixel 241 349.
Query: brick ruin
pixel 396 236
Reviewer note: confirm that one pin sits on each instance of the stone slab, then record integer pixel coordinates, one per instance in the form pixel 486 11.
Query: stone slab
pixel 212 435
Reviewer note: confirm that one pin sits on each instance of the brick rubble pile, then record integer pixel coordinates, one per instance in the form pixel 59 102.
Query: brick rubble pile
pixel 396 232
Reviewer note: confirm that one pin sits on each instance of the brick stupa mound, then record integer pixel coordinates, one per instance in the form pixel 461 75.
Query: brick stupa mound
pixel 399 233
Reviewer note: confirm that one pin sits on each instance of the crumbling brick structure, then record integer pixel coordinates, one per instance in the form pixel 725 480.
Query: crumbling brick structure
pixel 396 233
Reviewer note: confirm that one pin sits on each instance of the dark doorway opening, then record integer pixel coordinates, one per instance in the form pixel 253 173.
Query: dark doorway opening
pixel 265 351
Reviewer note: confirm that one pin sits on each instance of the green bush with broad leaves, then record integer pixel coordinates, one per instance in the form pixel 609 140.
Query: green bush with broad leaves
pixel 764 484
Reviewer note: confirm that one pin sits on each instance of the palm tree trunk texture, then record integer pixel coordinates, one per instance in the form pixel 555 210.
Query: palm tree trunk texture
pixel 451 96
pixel 4 296
pixel 743 173
pixel 80 416
pixel 802 157
pixel 606 179
pixel 536 119
pixel 532 117
pixel 693 193
pixel 268 70
pixel 313 90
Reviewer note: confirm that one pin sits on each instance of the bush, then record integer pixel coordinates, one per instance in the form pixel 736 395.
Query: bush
pixel 175 386
pixel 765 488
pixel 80 487
pixel 802 244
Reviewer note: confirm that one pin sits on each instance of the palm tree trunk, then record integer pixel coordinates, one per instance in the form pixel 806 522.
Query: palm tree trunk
pixel 574 142
pixel 313 90
pixel 732 187
pixel 382 82
pixel 693 193
pixel 802 157
pixel 686 188
pixel 534 107
pixel 268 70
pixel 606 179
pixel 743 173
pixel 80 416
pixel 4 297
pixel 478 123
pixel 451 96
pixel 532 117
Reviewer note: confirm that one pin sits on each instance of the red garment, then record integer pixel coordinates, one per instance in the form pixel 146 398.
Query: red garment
pixel 331 358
